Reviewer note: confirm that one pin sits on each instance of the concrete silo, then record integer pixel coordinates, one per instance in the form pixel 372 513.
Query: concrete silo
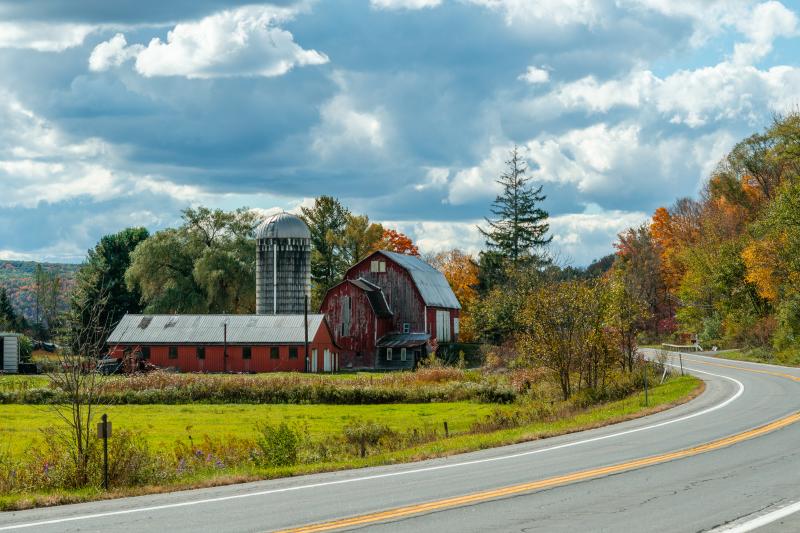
pixel 283 265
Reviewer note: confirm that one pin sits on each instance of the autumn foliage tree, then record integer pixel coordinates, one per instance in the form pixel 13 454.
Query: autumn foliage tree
pixel 394 241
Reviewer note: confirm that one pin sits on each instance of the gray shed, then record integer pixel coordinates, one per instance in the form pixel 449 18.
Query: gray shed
pixel 9 353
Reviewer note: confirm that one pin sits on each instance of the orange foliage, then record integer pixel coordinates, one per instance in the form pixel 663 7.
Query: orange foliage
pixel 763 270
pixel 394 241
pixel 461 272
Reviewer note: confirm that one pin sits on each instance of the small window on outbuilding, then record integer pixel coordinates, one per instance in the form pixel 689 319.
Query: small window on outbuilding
pixel 247 352
pixel 274 353
pixel 201 352
pixel 293 353
pixel 388 354
pixel 173 352
pixel 145 351
pixel 402 354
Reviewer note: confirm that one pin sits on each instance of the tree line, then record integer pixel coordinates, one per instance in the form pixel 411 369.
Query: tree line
pixel 725 267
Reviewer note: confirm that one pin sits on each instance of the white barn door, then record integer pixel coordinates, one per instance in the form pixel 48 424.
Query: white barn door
pixel 327 363
pixel 443 326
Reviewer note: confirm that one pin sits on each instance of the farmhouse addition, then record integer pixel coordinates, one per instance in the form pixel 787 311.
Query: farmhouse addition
pixel 389 310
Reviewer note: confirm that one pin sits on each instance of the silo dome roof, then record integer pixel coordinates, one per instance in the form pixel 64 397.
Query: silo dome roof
pixel 283 226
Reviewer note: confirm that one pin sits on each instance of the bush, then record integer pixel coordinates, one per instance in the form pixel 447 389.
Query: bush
pixel 279 445
pixel 364 434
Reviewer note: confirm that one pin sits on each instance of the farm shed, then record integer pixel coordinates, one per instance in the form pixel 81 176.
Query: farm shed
pixel 9 353
pixel 389 310
pixel 227 343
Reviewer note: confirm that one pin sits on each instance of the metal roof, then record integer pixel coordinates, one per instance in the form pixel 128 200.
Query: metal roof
pixel 432 285
pixel 403 340
pixel 283 226
pixel 377 300
pixel 208 329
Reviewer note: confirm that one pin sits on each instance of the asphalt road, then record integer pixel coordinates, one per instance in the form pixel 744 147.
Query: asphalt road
pixel 590 481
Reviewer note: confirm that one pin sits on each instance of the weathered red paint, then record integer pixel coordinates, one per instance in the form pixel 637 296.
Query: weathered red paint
pixel 260 361
pixel 405 302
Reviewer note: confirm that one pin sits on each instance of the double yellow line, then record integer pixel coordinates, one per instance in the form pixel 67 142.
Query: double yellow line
pixel 483 496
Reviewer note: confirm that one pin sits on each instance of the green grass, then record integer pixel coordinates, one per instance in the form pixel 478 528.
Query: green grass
pixel 14 382
pixel 163 424
pixel 167 423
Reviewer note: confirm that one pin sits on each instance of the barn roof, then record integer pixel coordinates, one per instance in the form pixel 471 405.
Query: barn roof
pixel 432 285
pixel 377 300
pixel 208 329
pixel 403 340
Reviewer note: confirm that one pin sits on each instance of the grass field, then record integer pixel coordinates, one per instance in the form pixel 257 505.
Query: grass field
pixel 164 424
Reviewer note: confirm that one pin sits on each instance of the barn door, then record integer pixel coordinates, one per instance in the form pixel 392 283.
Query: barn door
pixel 315 360
pixel 327 363
pixel 443 326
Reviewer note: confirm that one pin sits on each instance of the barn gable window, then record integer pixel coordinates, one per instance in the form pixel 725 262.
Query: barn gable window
pixel 274 353
pixel 377 266
pixel 201 352
pixel 247 352
pixel 388 354
pixel 173 352
pixel 293 353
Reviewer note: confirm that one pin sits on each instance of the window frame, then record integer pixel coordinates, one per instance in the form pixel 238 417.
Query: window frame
pixel 389 354
pixel 172 352
pixel 406 327
pixel 275 352
pixel 403 354
pixel 247 352
pixel 294 352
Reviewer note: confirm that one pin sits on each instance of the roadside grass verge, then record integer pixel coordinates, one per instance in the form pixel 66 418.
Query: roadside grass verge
pixel 674 392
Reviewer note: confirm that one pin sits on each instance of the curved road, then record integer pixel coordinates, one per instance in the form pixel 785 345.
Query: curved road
pixel 728 459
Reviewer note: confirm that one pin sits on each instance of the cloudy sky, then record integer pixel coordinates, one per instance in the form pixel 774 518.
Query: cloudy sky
pixel 115 114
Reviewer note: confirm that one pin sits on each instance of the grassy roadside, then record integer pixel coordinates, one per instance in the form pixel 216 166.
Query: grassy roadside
pixel 670 394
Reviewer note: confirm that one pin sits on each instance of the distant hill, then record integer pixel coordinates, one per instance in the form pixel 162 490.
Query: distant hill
pixel 18 279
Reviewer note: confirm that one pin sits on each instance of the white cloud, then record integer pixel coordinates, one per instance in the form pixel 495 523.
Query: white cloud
pixel 535 75
pixel 113 53
pixel 542 13
pixel 768 21
pixel 435 178
pixel 478 182
pixel 438 236
pixel 404 4
pixel 344 129
pixel 239 42
pixel 42 36
pixel 582 237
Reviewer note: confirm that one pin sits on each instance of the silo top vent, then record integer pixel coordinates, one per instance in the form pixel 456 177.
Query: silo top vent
pixel 283 226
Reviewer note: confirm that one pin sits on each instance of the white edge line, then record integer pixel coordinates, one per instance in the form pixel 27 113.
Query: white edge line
pixel 720 405
pixel 762 520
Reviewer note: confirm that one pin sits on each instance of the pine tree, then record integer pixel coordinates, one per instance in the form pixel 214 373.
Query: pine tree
pixel 520 227
pixel 8 318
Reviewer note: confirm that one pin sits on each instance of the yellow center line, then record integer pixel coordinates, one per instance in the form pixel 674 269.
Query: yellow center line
pixel 722 365
pixel 512 490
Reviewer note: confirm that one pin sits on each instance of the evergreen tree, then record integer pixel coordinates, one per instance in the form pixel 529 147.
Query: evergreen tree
pixel 8 318
pixel 520 226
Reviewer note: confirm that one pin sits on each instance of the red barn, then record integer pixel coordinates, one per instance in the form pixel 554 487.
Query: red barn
pixel 254 343
pixel 388 311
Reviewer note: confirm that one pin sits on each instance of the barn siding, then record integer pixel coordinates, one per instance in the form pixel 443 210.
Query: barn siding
pixel 260 361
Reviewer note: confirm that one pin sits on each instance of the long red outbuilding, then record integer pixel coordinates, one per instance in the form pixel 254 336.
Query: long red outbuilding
pixel 227 343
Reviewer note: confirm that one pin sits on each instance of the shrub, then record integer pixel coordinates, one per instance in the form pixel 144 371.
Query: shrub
pixel 364 434
pixel 279 445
